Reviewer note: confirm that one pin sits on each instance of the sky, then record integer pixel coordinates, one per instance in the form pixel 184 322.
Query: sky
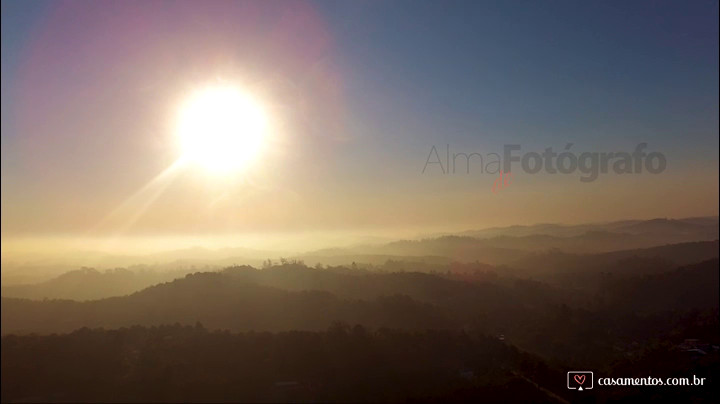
pixel 359 95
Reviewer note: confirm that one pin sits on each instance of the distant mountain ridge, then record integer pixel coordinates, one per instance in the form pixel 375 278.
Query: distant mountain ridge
pixel 90 284
pixel 704 228
pixel 551 320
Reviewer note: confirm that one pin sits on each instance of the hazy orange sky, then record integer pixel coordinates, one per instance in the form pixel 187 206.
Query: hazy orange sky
pixel 358 93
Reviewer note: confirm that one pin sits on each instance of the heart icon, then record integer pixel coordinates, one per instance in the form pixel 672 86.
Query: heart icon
pixel 580 379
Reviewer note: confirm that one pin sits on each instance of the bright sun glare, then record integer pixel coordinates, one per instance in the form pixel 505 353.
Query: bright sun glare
pixel 222 129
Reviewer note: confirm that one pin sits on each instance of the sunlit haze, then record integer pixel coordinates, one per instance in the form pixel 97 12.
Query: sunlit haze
pixel 282 124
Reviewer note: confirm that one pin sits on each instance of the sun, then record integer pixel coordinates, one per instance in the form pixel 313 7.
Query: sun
pixel 222 129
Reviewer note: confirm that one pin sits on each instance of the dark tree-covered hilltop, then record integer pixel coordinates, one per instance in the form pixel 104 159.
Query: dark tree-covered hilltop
pixel 188 363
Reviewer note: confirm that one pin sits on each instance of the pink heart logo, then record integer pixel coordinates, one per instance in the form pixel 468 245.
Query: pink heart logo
pixel 580 379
